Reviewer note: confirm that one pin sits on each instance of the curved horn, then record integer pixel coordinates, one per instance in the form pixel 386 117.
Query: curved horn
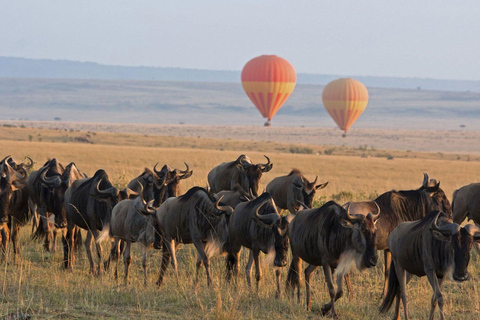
pixel 149 208
pixel 450 229
pixel 186 170
pixel 28 166
pixel 4 160
pixel 425 180
pixel 274 217
pixel 187 173
pixel 267 166
pixel 227 209
pixel 244 163
pixel 315 181
pixel 156 171
pixel 358 217
pixel 51 182
pixel 112 191
pixel 376 215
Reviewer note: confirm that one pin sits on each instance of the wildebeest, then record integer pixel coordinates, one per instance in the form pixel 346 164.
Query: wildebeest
pixel 335 239
pixel 41 200
pixel 257 226
pixel 235 196
pixel 466 204
pixel 132 221
pixel 195 217
pixel 10 181
pixel 89 203
pixel 409 205
pixel 173 180
pixel 57 184
pixel 433 246
pixel 18 210
pixel 153 184
pixel 293 191
pixel 242 171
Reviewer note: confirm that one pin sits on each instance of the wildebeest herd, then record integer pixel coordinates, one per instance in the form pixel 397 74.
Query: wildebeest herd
pixel 418 229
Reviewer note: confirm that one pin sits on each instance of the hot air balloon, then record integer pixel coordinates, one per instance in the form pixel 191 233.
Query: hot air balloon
pixel 345 100
pixel 268 81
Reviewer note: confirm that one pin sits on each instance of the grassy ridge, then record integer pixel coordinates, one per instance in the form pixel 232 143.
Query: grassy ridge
pixel 36 283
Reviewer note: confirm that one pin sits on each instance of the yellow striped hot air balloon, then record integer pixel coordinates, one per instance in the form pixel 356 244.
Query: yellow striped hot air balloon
pixel 268 81
pixel 345 100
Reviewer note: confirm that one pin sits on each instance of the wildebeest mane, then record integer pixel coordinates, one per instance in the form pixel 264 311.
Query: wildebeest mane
pixel 429 218
pixel 184 198
pixel 295 171
pixel 399 206
pixel 149 172
pixel 258 201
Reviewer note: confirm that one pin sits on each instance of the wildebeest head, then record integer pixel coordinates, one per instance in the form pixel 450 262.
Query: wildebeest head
pixel 439 200
pixel 461 240
pixel 305 190
pixel 266 215
pixel 57 184
pixel 106 192
pixel 152 231
pixel 253 172
pixel 364 233
pixel 10 181
pixel 172 179
pixel 17 166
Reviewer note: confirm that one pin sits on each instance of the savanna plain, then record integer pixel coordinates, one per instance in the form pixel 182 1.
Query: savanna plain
pixel 34 283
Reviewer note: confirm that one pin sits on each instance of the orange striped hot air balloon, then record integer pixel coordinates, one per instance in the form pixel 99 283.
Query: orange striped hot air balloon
pixel 345 100
pixel 268 82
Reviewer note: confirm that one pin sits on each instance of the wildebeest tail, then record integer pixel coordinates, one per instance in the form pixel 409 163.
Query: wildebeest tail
pixel 103 234
pixel 39 232
pixel 293 277
pixel 392 291
pixel 78 240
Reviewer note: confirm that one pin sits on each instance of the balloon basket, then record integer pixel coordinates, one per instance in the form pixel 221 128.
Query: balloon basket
pixel 344 135
pixel 267 124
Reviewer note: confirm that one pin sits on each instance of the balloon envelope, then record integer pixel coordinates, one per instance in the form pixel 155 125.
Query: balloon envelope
pixel 268 81
pixel 345 100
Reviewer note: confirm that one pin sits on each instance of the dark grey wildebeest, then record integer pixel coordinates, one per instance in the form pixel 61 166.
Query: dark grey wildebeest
pixel 293 191
pixel 407 205
pixel 335 239
pixel 195 217
pixel 89 203
pixel 241 171
pixel 10 181
pixel 174 176
pixel 466 205
pixel 132 221
pixel 153 184
pixel 57 184
pixel 41 201
pixel 235 196
pixel 18 211
pixel 257 226
pixel 433 246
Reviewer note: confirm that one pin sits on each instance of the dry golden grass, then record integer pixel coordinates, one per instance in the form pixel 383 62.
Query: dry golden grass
pixel 36 284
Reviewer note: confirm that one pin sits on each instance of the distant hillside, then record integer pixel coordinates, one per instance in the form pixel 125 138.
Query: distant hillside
pixel 214 103
pixel 11 67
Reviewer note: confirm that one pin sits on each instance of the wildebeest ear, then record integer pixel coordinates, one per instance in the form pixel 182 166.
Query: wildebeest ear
pixel 346 224
pixel 321 186
pixel 440 236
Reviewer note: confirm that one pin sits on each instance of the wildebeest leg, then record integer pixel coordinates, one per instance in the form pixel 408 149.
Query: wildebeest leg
pixel 35 218
pixel 248 268
pixel 258 270
pixel 43 217
pixel 402 280
pixel 348 282
pixel 15 231
pixel 5 239
pixel 388 260
pixel 233 262
pixel 144 264
pixel 294 276
pixel 174 247
pixel 338 295
pixel 88 248
pixel 165 260
pixel 98 247
pixel 331 290
pixel 201 251
pixel 437 294
pixel 55 236
pixel 198 265
pixel 277 276
pixel 127 259
pixel 308 273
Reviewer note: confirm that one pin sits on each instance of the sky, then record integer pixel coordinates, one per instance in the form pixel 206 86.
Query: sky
pixel 410 38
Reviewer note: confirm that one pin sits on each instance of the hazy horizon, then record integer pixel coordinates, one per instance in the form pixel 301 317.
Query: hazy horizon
pixel 431 39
